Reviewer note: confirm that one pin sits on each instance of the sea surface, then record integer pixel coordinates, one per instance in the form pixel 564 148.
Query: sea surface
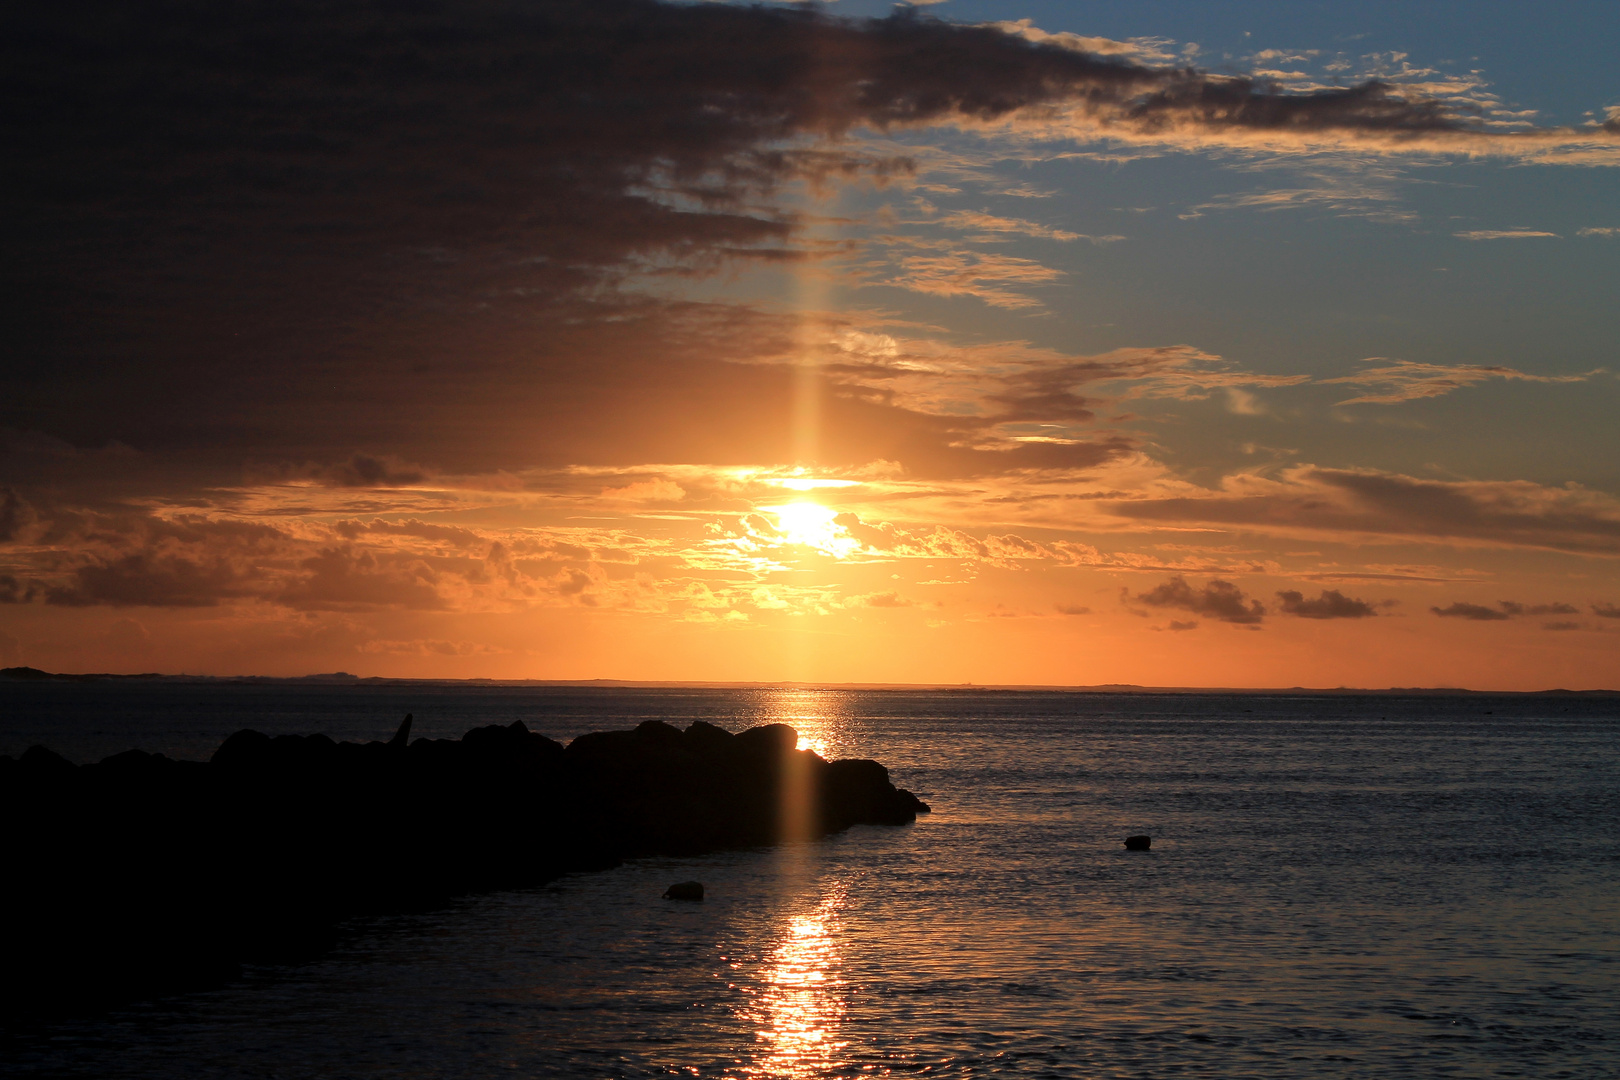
pixel 1339 886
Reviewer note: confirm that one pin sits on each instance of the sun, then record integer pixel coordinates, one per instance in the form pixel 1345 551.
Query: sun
pixel 814 526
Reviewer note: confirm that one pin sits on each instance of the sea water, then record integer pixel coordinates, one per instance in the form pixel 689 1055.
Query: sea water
pixel 1338 886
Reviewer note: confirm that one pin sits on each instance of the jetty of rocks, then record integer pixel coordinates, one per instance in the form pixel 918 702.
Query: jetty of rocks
pixel 142 873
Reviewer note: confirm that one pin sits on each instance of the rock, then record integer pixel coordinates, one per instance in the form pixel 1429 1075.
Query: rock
pixel 244 749
pixel 1138 843
pixel 402 737
pixel 260 852
pixel 660 735
pixel 767 741
pixel 45 762
pixel 705 738
pixel 684 890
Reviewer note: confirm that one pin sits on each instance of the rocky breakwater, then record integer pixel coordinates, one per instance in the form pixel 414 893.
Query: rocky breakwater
pixel 143 873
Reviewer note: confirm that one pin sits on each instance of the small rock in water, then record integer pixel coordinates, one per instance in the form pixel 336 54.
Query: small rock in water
pixel 684 890
pixel 1138 843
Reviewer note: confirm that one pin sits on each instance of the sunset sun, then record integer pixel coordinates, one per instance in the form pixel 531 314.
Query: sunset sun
pixel 812 525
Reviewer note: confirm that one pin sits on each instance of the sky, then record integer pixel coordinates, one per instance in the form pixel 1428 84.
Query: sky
pixel 982 341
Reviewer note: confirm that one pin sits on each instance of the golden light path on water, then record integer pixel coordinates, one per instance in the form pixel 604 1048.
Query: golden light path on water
pixel 800 1005
pixel 817 715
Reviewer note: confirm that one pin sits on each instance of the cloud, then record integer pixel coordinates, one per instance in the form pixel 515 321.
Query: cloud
pixel 198 561
pixel 1606 611
pixel 1505 609
pixel 1217 600
pixel 421 231
pixel 1071 609
pixel 965 273
pixel 1603 231
pixel 1503 234
pixel 1513 608
pixel 1348 503
pixel 368 471
pixel 184 561
pixel 1175 625
pixel 15 515
pixel 1331 604
pixel 14 590
pixel 1152 51
pixel 1475 612
pixel 880 600
pixel 990 223
pixel 1353 190
pixel 656 490
pixel 143 579
pixel 1014 396
pixel 1406 380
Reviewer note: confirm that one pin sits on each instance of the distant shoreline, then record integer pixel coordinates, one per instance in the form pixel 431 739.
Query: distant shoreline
pixel 341 678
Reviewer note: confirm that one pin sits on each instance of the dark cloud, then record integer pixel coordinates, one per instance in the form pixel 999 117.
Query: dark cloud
pixel 13 590
pixel 1071 609
pixel 1332 604
pixel 1476 612
pixel 1514 608
pixel 1348 502
pixel 344 579
pixel 157 562
pixel 14 515
pixel 196 561
pixel 276 231
pixel 1504 609
pixel 1606 611
pixel 1174 625
pixel 142 579
pixel 1217 600
pixel 366 471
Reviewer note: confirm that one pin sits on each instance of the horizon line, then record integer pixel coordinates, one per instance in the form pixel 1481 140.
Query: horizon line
pixel 343 678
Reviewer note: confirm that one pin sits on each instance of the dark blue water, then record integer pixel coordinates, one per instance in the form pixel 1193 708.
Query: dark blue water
pixel 1339 886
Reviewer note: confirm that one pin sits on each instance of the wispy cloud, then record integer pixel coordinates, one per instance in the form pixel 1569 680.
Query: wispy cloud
pixel 990 223
pixel 1505 234
pixel 1504 610
pixel 968 273
pixel 1407 380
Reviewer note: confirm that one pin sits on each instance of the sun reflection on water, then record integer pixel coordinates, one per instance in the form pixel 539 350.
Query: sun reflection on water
pixel 800 1005
pixel 818 716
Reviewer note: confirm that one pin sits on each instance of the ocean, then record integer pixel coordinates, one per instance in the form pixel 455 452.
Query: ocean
pixel 1338 886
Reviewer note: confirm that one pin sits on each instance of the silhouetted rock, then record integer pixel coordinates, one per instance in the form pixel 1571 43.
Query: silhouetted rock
pixel 42 762
pixel 1138 843
pixel 684 890
pixel 702 737
pixel 142 873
